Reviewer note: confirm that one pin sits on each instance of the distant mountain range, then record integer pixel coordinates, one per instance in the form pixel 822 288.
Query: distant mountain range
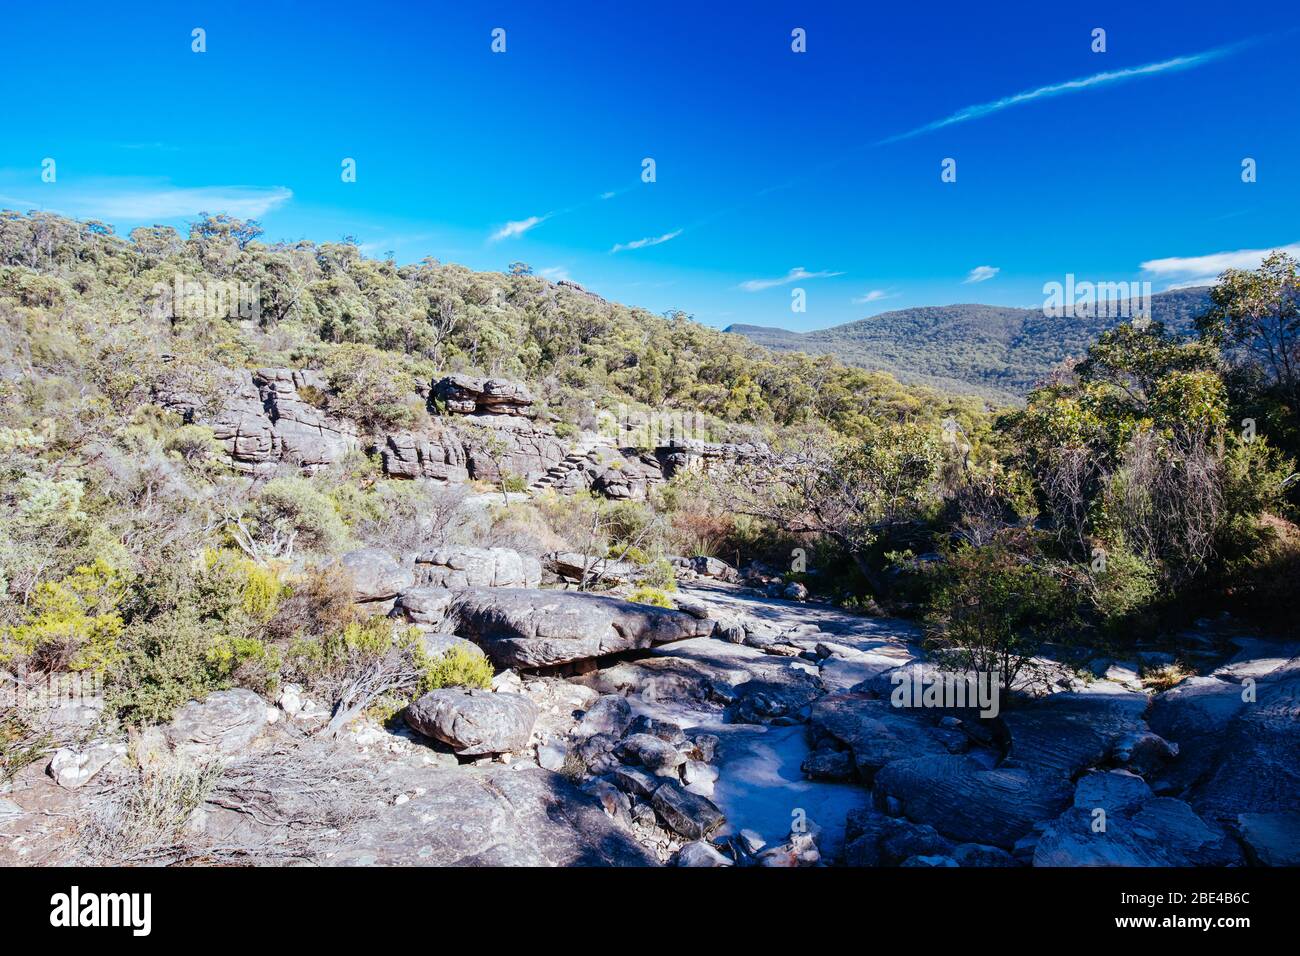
pixel 988 350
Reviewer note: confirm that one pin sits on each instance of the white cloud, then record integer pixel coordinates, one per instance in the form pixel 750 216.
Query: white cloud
pixel 139 200
pixel 1104 78
pixel 981 274
pixel 517 228
pixel 648 241
pixel 796 274
pixel 555 274
pixel 875 295
pixel 1184 272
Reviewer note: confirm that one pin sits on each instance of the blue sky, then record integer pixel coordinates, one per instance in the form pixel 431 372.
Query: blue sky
pixel 775 170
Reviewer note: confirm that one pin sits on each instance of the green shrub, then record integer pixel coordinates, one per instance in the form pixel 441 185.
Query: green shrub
pixel 1126 587
pixel 457 667
pixel 290 514
pixel 168 660
pixel 652 596
pixel 72 624
pixel 993 607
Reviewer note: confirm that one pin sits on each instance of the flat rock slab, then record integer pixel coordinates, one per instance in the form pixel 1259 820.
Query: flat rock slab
pixel 1067 733
pixel 876 733
pixel 474 722
pixel 961 799
pixel 491 817
pixel 526 627
pixel 1271 839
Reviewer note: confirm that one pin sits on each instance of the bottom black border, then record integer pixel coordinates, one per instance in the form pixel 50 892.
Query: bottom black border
pixel 308 905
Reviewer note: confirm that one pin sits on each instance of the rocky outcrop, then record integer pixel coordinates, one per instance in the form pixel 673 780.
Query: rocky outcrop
pixel 435 453
pixel 262 418
pixel 522 627
pixel 471 395
pixel 465 567
pixel 474 722
pixel 1067 733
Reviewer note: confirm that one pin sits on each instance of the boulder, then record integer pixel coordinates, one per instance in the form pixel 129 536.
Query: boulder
pixel 1161 832
pixel 437 645
pixel 657 756
pixel 574 567
pixel 976 854
pixel 465 567
pixel 700 853
pixel 224 723
pixel 873 839
pixel 424 606
pixel 689 814
pixel 610 714
pixel 962 800
pixel 763 700
pixel 1114 791
pixel 474 722
pixel 521 627
pixel 75 768
pixel 376 575
pixel 1271 839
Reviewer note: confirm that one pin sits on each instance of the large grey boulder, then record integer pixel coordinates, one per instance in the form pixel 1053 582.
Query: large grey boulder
pixel 489 816
pixel 466 567
pixel 970 804
pixel 520 627
pixel 1161 832
pixel 474 722
pixel 376 575
pixel 424 606
pixel 224 723
pixel 609 714
pixel 1115 791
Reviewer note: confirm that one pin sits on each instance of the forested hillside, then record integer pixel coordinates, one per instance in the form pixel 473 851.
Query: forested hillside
pixel 328 537
pixel 993 351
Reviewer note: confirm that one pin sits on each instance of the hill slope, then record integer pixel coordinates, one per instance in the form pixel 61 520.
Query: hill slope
pixel 988 350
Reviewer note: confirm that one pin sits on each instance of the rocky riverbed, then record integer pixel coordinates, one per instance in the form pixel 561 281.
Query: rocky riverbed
pixel 741 729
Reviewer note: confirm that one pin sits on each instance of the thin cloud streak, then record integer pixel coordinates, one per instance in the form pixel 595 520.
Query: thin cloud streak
pixel 798 273
pixel 648 241
pixel 1105 78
